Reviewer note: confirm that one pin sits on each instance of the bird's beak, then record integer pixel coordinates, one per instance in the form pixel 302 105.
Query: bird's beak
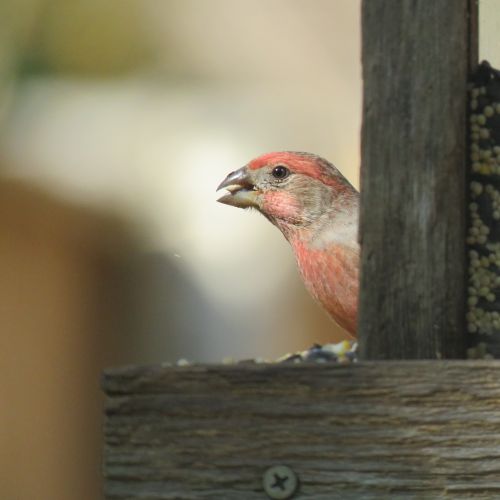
pixel 242 191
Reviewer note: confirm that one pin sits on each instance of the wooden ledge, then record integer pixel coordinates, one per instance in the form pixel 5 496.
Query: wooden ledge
pixel 412 429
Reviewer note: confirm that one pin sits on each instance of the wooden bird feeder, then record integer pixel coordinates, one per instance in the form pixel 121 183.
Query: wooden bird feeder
pixel 413 419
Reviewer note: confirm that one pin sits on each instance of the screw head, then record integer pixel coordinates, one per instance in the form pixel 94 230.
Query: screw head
pixel 280 482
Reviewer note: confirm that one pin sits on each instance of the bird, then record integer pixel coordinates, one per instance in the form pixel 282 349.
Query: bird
pixel 316 208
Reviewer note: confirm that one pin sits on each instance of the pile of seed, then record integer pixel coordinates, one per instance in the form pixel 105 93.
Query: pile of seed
pixel 343 352
pixel 483 234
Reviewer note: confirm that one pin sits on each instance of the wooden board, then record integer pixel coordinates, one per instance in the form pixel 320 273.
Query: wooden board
pixel 417 429
pixel 416 57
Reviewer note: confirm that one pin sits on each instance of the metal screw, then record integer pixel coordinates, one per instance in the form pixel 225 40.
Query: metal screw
pixel 280 482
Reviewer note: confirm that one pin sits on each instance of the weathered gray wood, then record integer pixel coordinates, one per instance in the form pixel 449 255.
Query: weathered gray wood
pixel 473 36
pixel 416 429
pixel 416 55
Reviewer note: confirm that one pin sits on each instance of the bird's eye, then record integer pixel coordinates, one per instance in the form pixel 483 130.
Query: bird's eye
pixel 280 172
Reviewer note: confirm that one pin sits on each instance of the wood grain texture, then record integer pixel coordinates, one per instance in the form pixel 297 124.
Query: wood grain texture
pixel 415 429
pixel 473 36
pixel 415 62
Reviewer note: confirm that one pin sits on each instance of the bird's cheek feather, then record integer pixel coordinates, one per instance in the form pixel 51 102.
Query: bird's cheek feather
pixel 281 205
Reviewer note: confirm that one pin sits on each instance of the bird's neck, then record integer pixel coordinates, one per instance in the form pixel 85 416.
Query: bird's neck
pixel 328 258
pixel 336 226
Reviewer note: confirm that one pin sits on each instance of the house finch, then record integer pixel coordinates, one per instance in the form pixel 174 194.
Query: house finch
pixel 316 209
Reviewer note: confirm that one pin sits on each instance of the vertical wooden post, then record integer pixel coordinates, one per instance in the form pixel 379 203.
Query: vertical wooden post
pixel 416 57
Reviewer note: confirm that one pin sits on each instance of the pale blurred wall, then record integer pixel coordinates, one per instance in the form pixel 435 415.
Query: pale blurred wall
pixel 489 28
pixel 117 121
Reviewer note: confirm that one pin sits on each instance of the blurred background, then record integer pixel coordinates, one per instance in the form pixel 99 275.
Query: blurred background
pixel 118 119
